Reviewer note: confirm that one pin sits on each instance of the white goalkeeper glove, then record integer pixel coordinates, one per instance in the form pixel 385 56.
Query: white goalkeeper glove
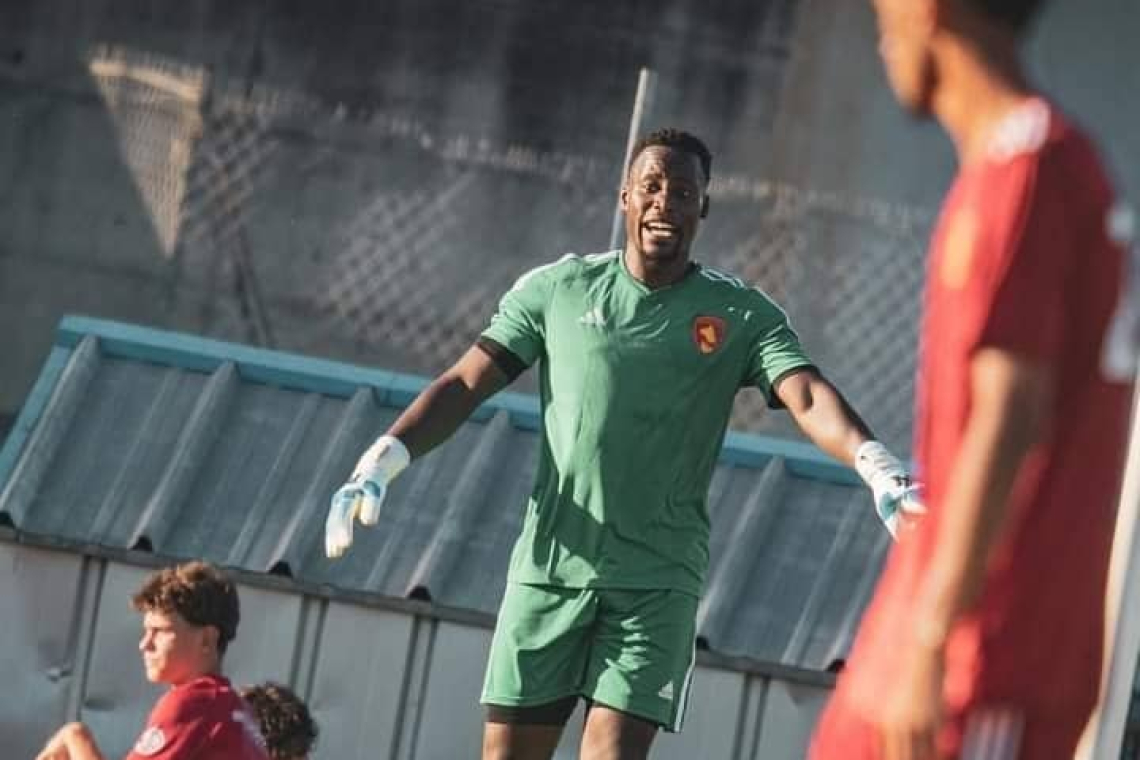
pixel 361 496
pixel 897 498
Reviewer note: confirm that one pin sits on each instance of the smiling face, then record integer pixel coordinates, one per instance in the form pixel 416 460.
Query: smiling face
pixel 663 200
pixel 174 651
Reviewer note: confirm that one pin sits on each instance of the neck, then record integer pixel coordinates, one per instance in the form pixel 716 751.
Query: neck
pixel 979 84
pixel 652 273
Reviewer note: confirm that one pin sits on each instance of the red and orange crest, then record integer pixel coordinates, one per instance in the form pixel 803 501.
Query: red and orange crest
pixel 708 333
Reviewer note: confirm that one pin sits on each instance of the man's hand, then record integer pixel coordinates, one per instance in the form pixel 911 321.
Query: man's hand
pixel 72 742
pixel 362 495
pixel 898 501
pixel 56 748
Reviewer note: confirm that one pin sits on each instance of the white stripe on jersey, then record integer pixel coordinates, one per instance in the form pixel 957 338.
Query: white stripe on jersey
pixel 595 257
pixel 525 276
pixel 993 734
pixel 591 257
pixel 718 276
pixel 683 697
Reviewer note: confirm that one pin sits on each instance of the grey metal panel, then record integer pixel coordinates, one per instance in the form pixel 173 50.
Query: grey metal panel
pixel 711 719
pixel 788 715
pixel 39 604
pixel 358 679
pixel 268 637
pixel 221 466
pixel 452 724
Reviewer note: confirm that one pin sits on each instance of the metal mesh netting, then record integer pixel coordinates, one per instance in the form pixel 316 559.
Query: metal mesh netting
pixel 411 272
pixel 156 104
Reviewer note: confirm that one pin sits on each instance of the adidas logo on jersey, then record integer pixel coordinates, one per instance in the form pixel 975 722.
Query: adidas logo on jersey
pixel 593 318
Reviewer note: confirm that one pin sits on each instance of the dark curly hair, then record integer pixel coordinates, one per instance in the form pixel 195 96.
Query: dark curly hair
pixel 1015 14
pixel 199 592
pixel 286 724
pixel 674 138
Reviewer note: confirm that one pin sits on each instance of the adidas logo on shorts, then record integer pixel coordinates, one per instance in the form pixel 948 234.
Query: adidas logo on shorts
pixel 666 691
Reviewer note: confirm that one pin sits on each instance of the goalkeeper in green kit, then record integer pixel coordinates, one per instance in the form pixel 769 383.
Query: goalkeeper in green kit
pixel 640 354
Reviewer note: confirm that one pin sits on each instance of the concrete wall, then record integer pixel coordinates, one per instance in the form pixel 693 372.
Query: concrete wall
pixel 382 683
pixel 363 184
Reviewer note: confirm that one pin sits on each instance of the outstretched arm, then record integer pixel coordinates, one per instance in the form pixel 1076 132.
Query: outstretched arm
pixel 430 420
pixel 448 401
pixel 830 423
pixel 823 414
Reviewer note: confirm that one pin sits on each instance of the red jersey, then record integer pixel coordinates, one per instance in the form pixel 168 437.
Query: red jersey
pixel 203 719
pixel 1021 260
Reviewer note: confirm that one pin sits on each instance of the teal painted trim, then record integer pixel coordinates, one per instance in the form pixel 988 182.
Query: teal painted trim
pixel 117 339
pixel 30 412
pixel 146 344
pixel 802 459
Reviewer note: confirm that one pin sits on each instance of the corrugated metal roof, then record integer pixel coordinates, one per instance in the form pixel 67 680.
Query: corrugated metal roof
pixel 135 438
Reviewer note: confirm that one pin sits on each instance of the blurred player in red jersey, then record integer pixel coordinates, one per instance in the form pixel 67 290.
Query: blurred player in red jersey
pixel 190 614
pixel 984 637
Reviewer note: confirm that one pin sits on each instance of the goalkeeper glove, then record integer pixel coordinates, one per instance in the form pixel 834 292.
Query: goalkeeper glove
pixel 897 499
pixel 362 495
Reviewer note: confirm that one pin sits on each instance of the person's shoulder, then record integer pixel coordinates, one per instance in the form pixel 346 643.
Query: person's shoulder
pixel 728 287
pixel 1040 137
pixel 566 267
pixel 200 695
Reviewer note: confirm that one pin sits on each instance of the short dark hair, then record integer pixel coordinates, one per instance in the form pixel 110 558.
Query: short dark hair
pixel 199 592
pixel 286 724
pixel 1015 14
pixel 673 138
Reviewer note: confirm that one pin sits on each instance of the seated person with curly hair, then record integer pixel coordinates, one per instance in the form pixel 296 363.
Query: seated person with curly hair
pixel 286 724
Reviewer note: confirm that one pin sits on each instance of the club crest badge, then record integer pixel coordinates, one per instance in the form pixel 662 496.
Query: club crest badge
pixel 150 742
pixel 958 244
pixel 708 333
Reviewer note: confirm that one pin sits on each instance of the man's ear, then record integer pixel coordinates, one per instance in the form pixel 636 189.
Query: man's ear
pixel 705 207
pixel 623 197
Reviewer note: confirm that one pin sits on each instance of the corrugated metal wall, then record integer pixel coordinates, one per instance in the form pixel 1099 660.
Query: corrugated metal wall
pixel 383 682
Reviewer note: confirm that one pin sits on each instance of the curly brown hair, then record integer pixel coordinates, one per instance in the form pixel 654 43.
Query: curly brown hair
pixel 286 724
pixel 199 592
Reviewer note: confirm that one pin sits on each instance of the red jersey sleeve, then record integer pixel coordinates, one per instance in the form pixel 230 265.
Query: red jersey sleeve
pixel 1029 248
pixel 180 724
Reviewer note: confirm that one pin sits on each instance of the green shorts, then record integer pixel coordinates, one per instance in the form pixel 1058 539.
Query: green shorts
pixel 629 649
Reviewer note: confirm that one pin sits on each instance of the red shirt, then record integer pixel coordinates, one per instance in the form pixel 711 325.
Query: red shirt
pixel 203 719
pixel 1021 260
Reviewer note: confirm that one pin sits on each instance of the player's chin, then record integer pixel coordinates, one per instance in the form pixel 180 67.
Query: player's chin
pixel 662 252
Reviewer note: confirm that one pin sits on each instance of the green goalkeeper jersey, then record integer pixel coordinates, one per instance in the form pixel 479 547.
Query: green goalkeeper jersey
pixel 636 390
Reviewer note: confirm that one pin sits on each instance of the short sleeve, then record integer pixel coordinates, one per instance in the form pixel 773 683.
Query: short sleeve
pixel 774 353
pixel 519 322
pixel 178 728
pixel 1035 216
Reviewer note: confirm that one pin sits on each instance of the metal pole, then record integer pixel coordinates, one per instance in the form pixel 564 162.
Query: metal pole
pixel 642 104
pixel 1105 733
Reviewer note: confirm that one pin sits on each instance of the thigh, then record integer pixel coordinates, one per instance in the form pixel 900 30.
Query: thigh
pixel 540 645
pixel 614 735
pixel 643 652
pixel 512 741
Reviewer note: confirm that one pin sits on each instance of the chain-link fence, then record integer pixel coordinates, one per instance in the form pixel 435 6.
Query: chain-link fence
pixel 410 269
